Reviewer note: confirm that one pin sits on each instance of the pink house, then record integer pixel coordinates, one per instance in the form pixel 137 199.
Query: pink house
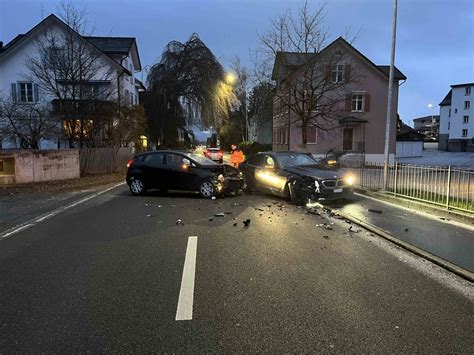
pixel 341 98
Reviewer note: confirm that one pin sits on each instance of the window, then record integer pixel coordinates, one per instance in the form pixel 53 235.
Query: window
pixel 449 113
pixel 357 102
pixel 465 119
pixel 467 105
pixel 337 75
pixel 464 132
pixel 174 159
pixel 256 160
pixel 449 125
pixel 468 91
pixel 154 159
pixel 131 99
pixel 311 135
pixel 455 110
pixel 26 92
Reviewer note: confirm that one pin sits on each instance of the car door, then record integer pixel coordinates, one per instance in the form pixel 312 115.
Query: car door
pixel 182 174
pixel 266 176
pixel 154 169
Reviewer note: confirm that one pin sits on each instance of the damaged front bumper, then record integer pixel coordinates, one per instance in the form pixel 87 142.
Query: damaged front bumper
pixel 310 193
pixel 229 185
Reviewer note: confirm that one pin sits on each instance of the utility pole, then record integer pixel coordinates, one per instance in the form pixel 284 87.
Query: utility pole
pixel 389 100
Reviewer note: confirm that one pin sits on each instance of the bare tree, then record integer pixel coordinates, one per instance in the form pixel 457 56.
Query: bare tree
pixel 312 83
pixel 72 72
pixel 29 124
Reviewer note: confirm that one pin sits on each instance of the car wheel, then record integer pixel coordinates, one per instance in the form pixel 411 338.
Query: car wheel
pixel 290 194
pixel 137 186
pixel 247 186
pixel 221 161
pixel 207 189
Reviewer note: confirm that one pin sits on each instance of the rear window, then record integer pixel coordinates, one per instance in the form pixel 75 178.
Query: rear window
pixel 213 149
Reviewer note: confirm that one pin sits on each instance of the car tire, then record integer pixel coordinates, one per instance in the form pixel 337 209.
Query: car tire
pixel 137 186
pixel 207 189
pixel 247 186
pixel 289 194
pixel 221 161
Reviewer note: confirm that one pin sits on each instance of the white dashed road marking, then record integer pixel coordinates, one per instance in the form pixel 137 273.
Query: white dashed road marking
pixel 186 293
pixel 34 221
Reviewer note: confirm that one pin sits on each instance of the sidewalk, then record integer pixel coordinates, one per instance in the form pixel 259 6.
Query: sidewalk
pixel 448 240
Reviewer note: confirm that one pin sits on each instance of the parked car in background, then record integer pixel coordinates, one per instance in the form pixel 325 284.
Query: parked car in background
pixel 215 154
pixel 176 170
pixel 296 176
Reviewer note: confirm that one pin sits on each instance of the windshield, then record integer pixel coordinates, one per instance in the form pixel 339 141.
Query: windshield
pixel 295 159
pixel 201 159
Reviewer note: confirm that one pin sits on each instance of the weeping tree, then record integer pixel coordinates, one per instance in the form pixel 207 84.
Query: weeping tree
pixel 185 87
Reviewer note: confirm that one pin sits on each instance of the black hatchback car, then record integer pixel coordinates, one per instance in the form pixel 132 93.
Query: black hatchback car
pixel 296 176
pixel 175 170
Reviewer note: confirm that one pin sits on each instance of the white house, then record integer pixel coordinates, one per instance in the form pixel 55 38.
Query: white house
pixel 456 130
pixel 117 58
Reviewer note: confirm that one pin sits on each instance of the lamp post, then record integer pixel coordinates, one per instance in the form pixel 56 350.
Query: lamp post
pixel 389 99
pixel 231 78
pixel 432 130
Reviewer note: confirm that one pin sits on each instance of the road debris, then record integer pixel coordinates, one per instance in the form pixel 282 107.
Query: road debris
pixel 210 219
pixel 220 214
pixel 180 222
pixel 326 236
pixel 375 211
pixel 148 215
pixel 354 230
pixel 213 197
pixel 235 225
pixel 246 222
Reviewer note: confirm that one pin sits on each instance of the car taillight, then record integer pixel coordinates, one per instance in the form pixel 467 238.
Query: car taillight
pixel 220 153
pixel 129 163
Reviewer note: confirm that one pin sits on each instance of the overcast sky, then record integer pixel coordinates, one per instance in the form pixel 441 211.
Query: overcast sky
pixel 435 38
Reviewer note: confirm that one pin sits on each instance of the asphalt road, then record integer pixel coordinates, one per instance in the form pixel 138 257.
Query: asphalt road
pixel 105 276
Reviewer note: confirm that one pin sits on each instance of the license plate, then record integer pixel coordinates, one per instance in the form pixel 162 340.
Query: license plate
pixel 337 190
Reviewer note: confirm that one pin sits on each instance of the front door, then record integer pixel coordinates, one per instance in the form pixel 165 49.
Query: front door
pixel 347 135
pixel 180 176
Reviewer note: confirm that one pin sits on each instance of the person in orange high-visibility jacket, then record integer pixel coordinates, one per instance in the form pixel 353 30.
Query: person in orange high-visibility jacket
pixel 236 156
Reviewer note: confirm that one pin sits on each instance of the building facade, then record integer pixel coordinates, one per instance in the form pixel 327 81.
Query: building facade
pixel 456 132
pixel 116 62
pixel 357 118
pixel 428 126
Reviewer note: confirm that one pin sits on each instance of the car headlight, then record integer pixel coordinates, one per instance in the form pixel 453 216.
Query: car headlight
pixel 350 179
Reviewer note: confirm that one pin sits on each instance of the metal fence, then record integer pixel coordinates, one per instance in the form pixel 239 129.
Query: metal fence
pixel 449 187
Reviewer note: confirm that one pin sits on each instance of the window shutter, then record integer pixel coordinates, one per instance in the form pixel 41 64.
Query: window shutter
pixel 349 103
pixel 14 93
pixel 367 103
pixel 347 74
pixel 35 93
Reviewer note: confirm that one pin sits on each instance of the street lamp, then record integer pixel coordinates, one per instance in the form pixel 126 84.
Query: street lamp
pixel 231 78
pixel 432 121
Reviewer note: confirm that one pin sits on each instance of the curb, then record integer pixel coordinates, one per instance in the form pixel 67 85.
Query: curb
pixel 465 274
pixel 409 203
